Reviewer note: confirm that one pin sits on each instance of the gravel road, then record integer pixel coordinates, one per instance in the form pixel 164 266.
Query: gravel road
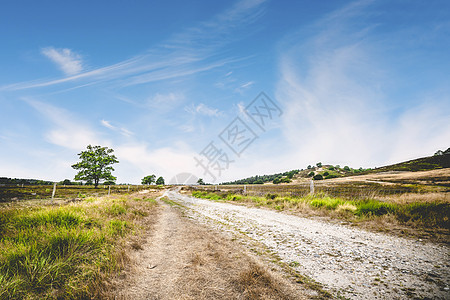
pixel 347 261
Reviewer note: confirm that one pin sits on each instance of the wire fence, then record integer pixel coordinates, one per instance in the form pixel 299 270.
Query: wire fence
pixel 355 190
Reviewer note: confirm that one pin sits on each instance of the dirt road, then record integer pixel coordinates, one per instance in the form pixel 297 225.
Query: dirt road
pixel 347 261
pixel 181 259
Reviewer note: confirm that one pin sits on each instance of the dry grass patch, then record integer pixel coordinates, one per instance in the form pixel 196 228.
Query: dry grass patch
pixel 408 198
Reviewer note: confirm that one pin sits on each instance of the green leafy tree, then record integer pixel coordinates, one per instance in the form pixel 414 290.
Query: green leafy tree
pixel 319 164
pixel 200 181
pixel 95 165
pixel 148 179
pixel 66 182
pixel 160 180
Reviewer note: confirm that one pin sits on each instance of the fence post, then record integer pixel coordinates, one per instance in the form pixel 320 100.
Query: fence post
pixel 109 190
pixel 311 187
pixel 128 189
pixel 245 189
pixel 54 191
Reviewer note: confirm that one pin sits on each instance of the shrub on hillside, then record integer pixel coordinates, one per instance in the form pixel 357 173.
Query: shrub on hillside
pixel 318 177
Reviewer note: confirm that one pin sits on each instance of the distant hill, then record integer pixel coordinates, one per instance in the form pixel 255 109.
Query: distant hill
pixel 420 164
pixel 440 160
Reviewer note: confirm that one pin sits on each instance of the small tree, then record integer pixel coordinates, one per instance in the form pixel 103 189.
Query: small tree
pixel 200 181
pixel 95 164
pixel 66 182
pixel 160 180
pixel 148 179
pixel 319 164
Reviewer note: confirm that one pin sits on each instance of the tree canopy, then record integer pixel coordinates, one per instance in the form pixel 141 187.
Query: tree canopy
pixel 160 180
pixel 95 165
pixel 148 179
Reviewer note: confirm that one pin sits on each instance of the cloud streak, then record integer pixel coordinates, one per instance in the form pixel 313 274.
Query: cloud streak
pixel 121 130
pixel 189 52
pixel 68 61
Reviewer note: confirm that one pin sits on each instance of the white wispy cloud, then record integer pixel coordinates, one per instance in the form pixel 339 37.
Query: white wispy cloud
pixel 66 130
pixel 121 130
pixel 336 110
pixel 203 109
pixel 192 51
pixel 107 124
pixel 68 61
pixel 165 101
pixel 247 84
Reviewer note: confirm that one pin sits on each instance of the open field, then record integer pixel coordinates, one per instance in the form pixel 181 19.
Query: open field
pixel 29 192
pixel 67 250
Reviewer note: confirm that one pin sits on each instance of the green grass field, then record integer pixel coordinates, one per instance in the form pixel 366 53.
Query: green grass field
pixel 65 252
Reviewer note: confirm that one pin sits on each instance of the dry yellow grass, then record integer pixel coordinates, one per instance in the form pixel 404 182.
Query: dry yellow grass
pixel 414 197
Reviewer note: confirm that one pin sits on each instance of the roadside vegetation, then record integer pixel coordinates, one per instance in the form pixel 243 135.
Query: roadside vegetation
pixel 67 251
pixel 426 211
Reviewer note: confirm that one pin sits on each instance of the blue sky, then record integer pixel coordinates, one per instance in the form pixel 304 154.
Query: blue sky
pixel 358 83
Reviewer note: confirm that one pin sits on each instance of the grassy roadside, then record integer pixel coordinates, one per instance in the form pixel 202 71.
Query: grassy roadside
pixel 66 252
pixel 430 216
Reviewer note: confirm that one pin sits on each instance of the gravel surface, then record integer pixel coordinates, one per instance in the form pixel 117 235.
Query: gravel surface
pixel 347 261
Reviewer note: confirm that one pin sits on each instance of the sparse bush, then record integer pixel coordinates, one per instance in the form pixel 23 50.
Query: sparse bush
pixel 270 196
pixel 325 173
pixel 285 180
pixel 311 174
pixel 318 177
